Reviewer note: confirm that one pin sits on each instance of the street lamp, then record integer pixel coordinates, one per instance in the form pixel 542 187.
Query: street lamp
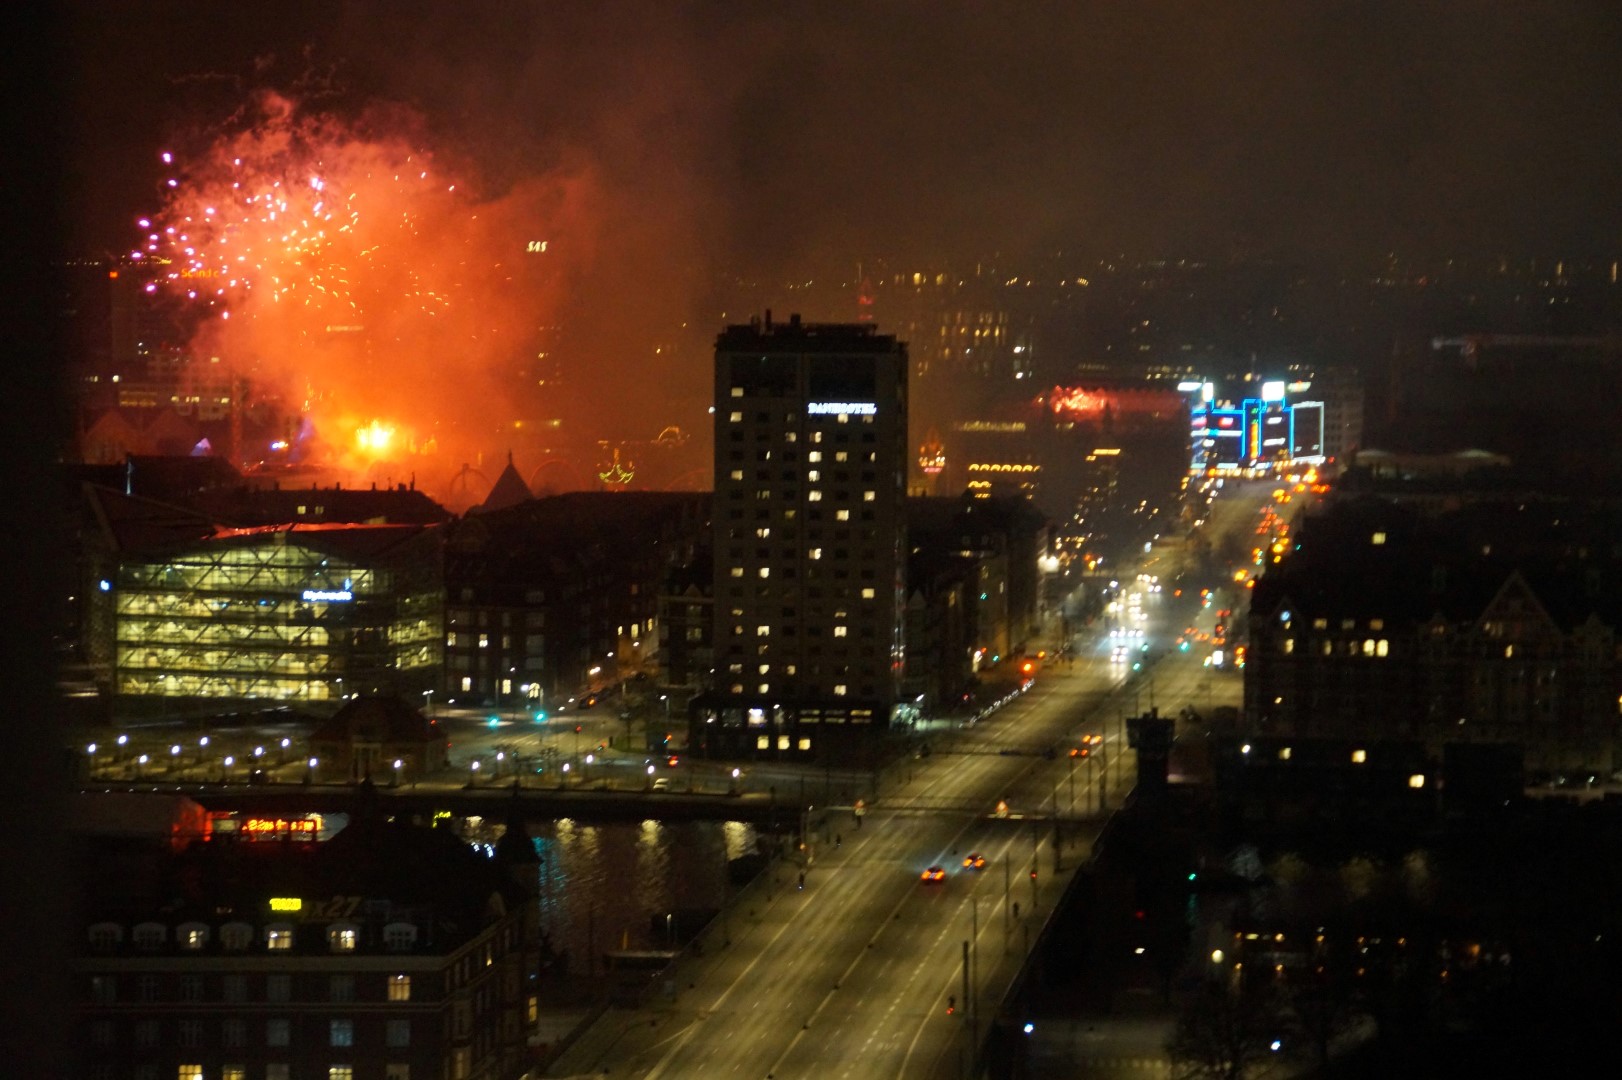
pixel 309 773
pixel 428 701
pixel 398 765
pixel 225 774
pixel 282 759
pixel 734 789
pixel 650 777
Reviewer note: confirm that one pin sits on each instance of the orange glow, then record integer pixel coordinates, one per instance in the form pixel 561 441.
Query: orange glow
pixel 347 272
pixel 375 438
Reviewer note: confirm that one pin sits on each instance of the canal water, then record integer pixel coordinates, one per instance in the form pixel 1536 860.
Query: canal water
pixel 618 886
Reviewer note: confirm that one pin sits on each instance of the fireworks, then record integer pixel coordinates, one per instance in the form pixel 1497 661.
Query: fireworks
pixel 340 269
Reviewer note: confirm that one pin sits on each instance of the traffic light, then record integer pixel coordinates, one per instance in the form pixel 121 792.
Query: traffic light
pixel 540 716
pixel 577 729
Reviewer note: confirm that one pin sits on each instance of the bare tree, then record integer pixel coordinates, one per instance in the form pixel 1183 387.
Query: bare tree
pixel 1227 1029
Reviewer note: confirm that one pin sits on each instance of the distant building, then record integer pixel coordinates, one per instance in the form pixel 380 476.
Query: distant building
pixel 378 737
pixel 1492 623
pixel 811 459
pixel 182 608
pixel 554 596
pixel 388 952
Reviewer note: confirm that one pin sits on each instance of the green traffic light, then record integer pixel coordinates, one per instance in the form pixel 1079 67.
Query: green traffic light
pixel 494 720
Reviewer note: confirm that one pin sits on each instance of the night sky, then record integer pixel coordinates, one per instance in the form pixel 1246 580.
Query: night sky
pixel 773 136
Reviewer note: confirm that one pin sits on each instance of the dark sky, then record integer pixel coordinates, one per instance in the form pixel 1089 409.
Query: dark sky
pixel 937 128
pixel 765 135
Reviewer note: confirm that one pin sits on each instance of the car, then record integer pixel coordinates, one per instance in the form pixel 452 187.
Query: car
pixel 974 861
pixel 933 875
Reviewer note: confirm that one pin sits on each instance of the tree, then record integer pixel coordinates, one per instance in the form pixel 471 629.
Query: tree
pixel 1227 1028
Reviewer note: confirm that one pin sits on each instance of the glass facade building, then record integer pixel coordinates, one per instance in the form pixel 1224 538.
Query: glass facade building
pixel 305 613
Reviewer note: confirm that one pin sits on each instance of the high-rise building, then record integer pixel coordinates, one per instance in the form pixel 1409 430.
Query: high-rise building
pixel 810 493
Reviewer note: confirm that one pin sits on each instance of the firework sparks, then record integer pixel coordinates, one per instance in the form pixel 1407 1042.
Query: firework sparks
pixel 338 265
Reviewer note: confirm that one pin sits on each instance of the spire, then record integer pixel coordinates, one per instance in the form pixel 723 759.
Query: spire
pixel 509 489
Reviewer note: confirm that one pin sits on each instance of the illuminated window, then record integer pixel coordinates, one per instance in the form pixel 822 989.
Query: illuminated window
pixel 234 1072
pixel 1368 646
pixel 868 496
pixel 484 641
pixel 1509 652
pixel 805 743
pixel 763 742
pixel 737 391
pixel 840 631
pixel 1284 753
pixel 450 639
pixel 279 938
pixel 765 668
pixel 765 571
pixel 736 417
pixel 1377 539
pixel 814 496
pixel 791 437
pixel 1320 624
pixel 343 938
pixel 790 669
pixel 814 456
pixel 764 688
pixel 764 532
pixel 192 936
pixel 763 631
pixel 737 571
pixel 1359 756
pixel 782 742
pixel 841 455
pixel 189 1072
pixel 506 686
pixel 1289 645
pixel 815 553
pixel 842 515
pixel 1376 624
pixel 813 475
pixel 340 1072
pixel 840 690
pixel 867 594
pixel 467 684
pixel 1382 647
pixel 736 474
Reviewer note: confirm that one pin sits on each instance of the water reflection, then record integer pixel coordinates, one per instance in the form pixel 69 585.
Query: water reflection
pixel 611 886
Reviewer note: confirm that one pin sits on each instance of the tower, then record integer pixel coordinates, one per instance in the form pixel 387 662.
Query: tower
pixel 810 495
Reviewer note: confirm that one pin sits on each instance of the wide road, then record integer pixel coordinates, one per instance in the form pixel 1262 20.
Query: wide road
pixel 853 974
pixel 860 972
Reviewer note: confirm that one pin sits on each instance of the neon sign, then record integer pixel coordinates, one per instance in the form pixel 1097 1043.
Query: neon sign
pixel 333 596
pixel 828 408
pixel 260 828
pixel 286 903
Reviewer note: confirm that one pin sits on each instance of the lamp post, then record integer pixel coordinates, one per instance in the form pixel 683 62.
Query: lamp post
pixel 472 772
pixel 202 745
pixel 309 770
pixel 428 702
pixel 225 774
pixel 398 765
pixel 281 759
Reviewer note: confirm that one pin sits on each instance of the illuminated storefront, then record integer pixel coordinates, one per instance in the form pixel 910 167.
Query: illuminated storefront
pixel 290 613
